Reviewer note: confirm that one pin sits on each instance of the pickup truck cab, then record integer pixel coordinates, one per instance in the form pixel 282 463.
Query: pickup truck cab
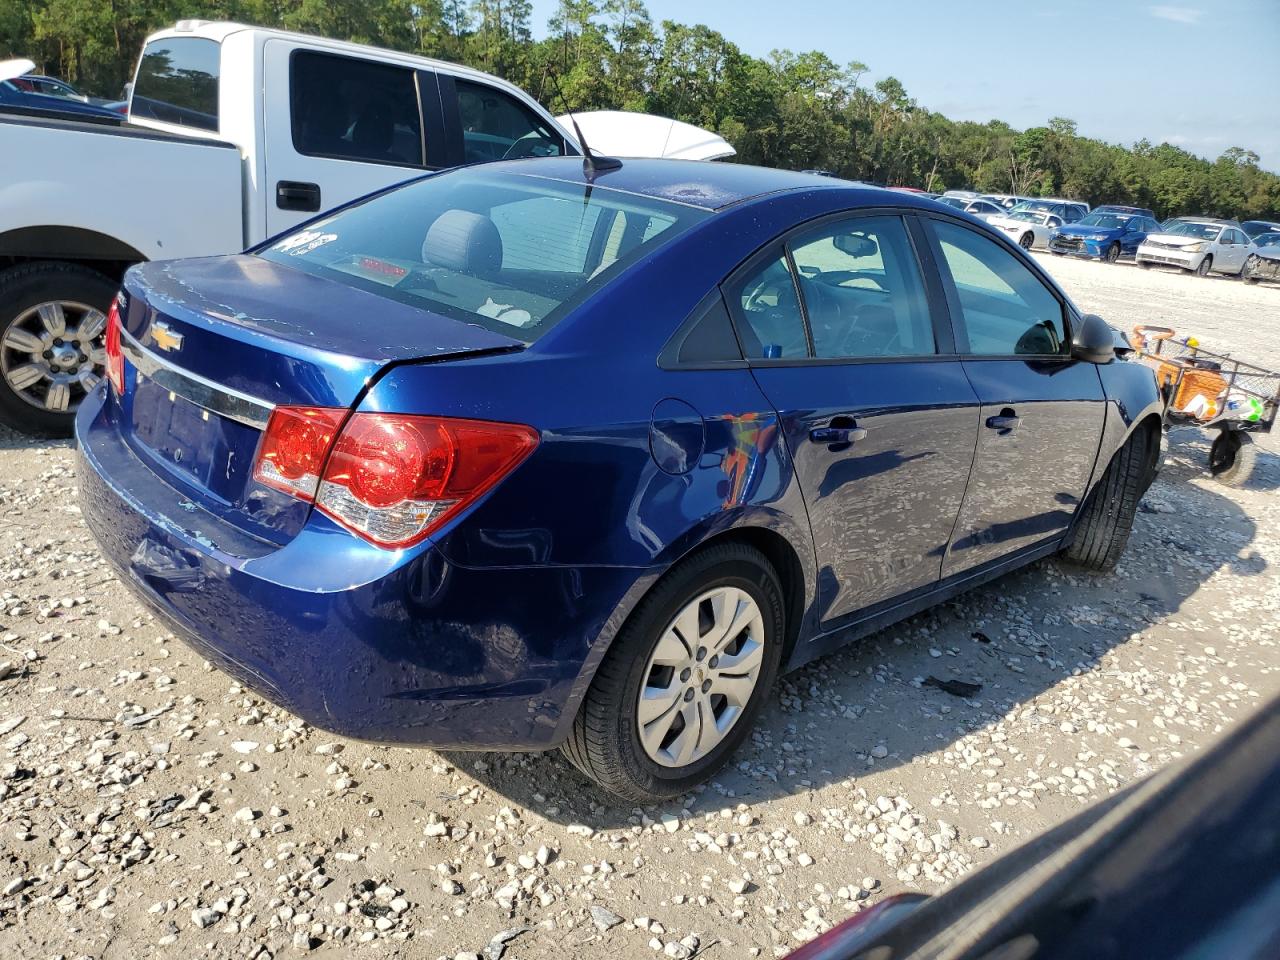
pixel 234 134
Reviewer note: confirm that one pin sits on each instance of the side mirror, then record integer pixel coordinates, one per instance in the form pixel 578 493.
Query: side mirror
pixel 1094 341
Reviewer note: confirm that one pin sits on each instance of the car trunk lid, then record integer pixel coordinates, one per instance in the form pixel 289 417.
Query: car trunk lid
pixel 215 344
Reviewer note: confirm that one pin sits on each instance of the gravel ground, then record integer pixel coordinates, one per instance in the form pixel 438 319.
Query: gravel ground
pixel 149 806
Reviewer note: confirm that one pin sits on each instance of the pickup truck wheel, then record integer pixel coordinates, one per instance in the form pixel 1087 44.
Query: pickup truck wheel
pixel 1102 527
pixel 682 682
pixel 53 321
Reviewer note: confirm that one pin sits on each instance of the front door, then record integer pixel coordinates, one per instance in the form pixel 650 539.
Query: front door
pixel 353 126
pixel 881 421
pixel 1042 412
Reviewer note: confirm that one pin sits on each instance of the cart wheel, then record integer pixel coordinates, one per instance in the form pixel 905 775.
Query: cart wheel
pixel 1232 458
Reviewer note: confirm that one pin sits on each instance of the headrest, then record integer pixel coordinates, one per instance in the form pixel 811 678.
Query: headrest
pixel 464 241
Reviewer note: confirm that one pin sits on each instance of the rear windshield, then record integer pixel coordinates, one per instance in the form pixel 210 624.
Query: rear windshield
pixel 509 253
pixel 177 82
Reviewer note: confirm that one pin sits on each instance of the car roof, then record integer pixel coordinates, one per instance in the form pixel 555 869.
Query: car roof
pixel 697 183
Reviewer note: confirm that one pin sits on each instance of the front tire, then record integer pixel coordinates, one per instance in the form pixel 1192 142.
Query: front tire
pixel 1204 266
pixel 1027 240
pixel 1102 528
pixel 684 679
pixel 1233 458
pixel 53 320
pixel 1112 254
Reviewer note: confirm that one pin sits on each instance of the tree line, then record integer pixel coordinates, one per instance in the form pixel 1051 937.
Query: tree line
pixel 793 110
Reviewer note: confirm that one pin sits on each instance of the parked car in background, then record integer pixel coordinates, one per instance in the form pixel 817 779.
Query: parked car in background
pixel 21 92
pixel 208 164
pixel 1102 884
pixel 1104 235
pixel 1201 245
pixel 1068 211
pixel 421 527
pixel 1255 228
pixel 1263 260
pixel 962 194
pixel 1005 200
pixel 53 87
pixel 982 209
pixel 1128 211
pixel 1027 228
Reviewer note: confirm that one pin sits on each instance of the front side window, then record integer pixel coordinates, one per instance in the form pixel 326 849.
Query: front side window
pixel 351 109
pixel 177 82
pixel 506 252
pixel 1007 310
pixel 496 126
pixel 862 290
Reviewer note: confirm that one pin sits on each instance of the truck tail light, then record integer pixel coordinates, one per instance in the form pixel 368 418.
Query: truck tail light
pixel 115 355
pixel 389 478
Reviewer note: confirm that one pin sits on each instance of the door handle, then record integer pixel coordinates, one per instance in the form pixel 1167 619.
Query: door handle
pixel 840 432
pixel 1006 423
pixel 295 195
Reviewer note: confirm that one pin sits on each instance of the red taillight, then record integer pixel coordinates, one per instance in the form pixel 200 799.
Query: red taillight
pixel 294 447
pixel 115 356
pixel 390 478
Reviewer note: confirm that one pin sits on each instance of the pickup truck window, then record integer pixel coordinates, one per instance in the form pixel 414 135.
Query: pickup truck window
pixel 496 126
pixel 352 109
pixel 177 82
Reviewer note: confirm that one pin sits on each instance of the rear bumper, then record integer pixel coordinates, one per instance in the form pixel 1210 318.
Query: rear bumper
pixel 397 647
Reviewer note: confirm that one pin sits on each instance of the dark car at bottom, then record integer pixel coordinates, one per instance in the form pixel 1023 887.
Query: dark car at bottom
pixel 1184 865
pixel 529 455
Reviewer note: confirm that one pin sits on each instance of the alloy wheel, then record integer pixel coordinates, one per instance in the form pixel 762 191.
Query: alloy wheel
pixel 700 676
pixel 53 353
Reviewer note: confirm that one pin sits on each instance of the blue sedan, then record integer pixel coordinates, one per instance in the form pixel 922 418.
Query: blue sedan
pixel 529 455
pixel 1104 236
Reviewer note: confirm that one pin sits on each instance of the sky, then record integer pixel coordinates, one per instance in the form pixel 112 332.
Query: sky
pixel 1203 75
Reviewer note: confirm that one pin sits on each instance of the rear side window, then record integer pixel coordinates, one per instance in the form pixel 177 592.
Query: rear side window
pixel 506 252
pixel 1007 310
pixel 177 82
pixel 351 109
pixel 497 126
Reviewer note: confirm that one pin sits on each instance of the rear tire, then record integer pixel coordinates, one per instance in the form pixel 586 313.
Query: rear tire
pixel 1204 266
pixel 1233 458
pixel 1102 527
pixel 32 380
pixel 610 744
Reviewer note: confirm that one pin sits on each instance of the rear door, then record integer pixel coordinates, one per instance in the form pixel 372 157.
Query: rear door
pixel 354 125
pixel 1042 412
pixel 845 332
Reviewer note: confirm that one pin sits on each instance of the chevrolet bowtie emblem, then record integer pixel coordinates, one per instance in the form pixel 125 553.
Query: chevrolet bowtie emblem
pixel 165 338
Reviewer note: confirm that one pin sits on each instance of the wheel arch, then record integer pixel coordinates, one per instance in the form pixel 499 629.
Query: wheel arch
pixel 89 248
pixel 770 532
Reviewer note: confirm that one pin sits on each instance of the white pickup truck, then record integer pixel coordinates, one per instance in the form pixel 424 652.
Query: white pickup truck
pixel 234 134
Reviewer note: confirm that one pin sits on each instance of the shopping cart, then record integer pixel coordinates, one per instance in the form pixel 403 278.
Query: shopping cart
pixel 1212 390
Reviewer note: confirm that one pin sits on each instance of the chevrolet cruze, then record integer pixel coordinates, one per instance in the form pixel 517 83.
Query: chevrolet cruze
pixel 543 454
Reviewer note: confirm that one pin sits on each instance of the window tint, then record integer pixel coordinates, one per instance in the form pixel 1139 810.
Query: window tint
pixel 1007 310
pixel 354 109
pixel 496 126
pixel 769 306
pixel 462 243
pixel 177 82
pixel 863 291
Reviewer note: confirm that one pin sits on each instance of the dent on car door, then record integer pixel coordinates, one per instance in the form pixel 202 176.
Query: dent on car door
pixel 1042 412
pixel 851 347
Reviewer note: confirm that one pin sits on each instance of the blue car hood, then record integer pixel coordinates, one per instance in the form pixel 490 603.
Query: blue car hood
pixel 1076 230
